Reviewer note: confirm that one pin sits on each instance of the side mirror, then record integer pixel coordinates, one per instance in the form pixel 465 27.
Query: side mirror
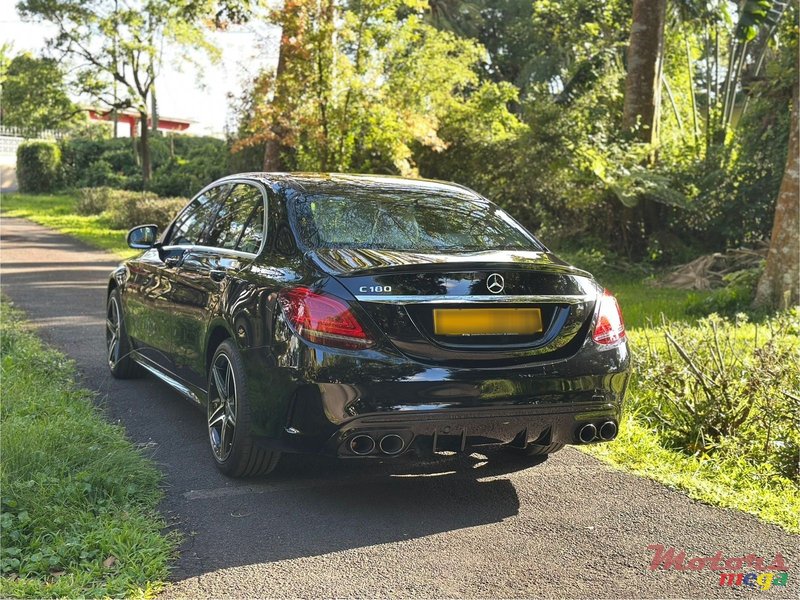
pixel 143 237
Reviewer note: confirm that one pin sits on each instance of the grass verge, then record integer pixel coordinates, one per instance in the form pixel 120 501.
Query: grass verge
pixel 79 501
pixel 58 212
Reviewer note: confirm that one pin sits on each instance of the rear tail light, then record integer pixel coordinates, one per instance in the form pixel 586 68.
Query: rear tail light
pixel 610 327
pixel 323 319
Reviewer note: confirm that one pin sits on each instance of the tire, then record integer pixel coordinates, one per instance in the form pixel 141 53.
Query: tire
pixel 118 346
pixel 229 418
pixel 538 450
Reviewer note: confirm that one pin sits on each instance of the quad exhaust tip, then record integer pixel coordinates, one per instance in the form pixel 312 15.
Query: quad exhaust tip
pixel 608 431
pixel 392 444
pixel 362 445
pixel 587 433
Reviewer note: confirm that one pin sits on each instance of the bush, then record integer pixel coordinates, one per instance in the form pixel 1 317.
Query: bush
pixel 101 173
pixel 126 209
pixel 93 201
pixel 38 166
pixel 182 165
pixel 725 388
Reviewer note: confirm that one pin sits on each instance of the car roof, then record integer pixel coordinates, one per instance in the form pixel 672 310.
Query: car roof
pixel 341 182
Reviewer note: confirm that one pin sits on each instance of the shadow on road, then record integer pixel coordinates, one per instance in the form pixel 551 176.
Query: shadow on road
pixel 311 506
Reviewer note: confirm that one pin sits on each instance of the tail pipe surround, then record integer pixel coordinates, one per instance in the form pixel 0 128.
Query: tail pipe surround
pixel 392 444
pixel 608 431
pixel 587 433
pixel 387 444
pixel 362 445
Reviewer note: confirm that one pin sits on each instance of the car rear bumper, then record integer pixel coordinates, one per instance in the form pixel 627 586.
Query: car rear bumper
pixel 323 409
pixel 461 429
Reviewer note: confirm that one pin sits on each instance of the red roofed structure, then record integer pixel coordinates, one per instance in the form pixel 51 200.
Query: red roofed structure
pixel 131 118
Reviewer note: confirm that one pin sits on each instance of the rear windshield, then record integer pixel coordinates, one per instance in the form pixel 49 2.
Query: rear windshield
pixel 389 220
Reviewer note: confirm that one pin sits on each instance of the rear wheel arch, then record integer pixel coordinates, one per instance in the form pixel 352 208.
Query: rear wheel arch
pixel 218 334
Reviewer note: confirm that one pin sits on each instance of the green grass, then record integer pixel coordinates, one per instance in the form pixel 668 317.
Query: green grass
pixel 79 500
pixel 643 304
pixel 58 212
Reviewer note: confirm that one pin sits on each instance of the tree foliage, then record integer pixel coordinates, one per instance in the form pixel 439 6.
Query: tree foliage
pixel 364 96
pixel 117 48
pixel 34 94
pixel 524 102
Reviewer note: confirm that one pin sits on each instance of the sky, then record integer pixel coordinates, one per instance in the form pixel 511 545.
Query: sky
pixel 199 94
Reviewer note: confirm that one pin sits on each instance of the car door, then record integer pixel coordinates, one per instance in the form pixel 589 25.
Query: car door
pixel 207 274
pixel 149 306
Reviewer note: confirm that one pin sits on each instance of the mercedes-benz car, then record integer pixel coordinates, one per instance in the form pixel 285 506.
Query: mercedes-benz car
pixel 366 317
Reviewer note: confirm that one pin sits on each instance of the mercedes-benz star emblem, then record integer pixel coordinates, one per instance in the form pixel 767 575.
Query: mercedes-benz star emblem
pixel 495 283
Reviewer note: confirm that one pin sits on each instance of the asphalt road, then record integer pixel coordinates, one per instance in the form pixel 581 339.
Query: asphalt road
pixel 569 527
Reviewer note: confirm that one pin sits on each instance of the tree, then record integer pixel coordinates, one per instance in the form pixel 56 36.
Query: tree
pixel 779 286
pixel 34 94
pixel 123 42
pixel 397 81
pixel 643 81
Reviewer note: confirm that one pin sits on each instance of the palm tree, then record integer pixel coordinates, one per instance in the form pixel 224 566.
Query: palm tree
pixel 457 16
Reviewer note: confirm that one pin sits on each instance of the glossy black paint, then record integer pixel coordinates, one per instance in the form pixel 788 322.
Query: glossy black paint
pixel 180 302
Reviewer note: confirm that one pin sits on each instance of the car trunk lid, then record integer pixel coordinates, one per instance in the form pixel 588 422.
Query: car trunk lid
pixel 496 308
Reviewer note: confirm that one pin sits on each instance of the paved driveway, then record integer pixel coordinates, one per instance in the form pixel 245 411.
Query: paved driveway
pixel 569 527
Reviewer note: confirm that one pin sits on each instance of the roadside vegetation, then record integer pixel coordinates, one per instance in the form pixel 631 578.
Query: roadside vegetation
pixel 100 217
pixel 79 500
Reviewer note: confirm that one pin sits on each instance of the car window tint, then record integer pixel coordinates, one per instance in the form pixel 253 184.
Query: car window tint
pixel 189 226
pixel 234 217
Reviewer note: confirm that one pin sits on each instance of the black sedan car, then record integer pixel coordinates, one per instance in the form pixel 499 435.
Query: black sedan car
pixel 366 317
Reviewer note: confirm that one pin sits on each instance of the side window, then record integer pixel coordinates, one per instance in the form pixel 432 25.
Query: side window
pixel 191 223
pixel 253 232
pixel 240 221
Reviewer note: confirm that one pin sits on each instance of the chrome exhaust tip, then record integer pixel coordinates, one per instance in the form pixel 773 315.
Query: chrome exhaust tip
pixel 392 444
pixel 587 433
pixel 362 445
pixel 608 431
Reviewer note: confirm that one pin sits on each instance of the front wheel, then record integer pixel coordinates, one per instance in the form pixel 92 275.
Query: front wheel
pixel 229 418
pixel 118 346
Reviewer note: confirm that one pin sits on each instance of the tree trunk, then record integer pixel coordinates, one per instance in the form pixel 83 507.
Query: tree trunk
pixel 642 107
pixel 643 81
pixel 779 286
pixel 144 148
pixel 291 39
pixel 272 148
pixel 153 110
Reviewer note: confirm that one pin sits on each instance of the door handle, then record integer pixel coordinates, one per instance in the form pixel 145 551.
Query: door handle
pixel 217 274
pixel 173 261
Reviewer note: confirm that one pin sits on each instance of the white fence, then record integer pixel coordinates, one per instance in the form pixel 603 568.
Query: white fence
pixel 12 137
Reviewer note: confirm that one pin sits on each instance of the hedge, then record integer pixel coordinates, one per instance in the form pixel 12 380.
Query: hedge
pixel 124 209
pixel 182 165
pixel 38 166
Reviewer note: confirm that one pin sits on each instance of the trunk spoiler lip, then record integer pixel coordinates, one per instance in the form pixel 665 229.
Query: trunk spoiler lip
pixel 543 261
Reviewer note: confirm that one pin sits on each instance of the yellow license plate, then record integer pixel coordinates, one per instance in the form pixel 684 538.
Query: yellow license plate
pixel 487 321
